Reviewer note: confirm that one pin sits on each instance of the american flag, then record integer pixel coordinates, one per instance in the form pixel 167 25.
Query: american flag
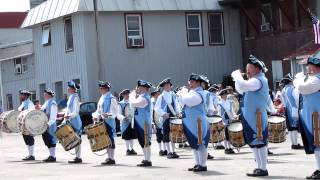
pixel 316 28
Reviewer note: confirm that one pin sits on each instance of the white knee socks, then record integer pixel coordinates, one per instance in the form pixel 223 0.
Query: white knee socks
pixel 196 157
pixel 110 154
pixel 127 144
pixel 294 137
pixel 167 147
pixel 31 150
pixel 172 147
pixel 256 157
pixel 78 151
pixel 147 153
pixel 131 144
pixel 263 154
pixel 52 152
pixel 317 156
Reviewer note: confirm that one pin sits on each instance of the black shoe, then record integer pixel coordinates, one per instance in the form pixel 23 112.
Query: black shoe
pixel 209 157
pixel 128 152
pixel 269 152
pixel 258 173
pixel 29 158
pixel 133 152
pixel 161 153
pixel 165 153
pixel 229 151
pixel 194 167
pixel 75 161
pixel 50 159
pixel 296 147
pixel 219 147
pixel 109 162
pixel 173 156
pixel 315 175
pixel 145 163
pixel 200 169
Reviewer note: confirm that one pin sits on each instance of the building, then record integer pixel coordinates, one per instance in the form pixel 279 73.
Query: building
pixel 34 3
pixel 275 29
pixel 125 40
pixel 16 59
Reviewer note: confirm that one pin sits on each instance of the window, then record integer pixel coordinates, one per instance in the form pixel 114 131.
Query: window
pixel 194 29
pixel 20 65
pixel 9 102
pixel 68 34
pixel 265 24
pixel 88 107
pixel 216 29
pixel 46 35
pixel 134 30
pixel 58 90
pixel 42 87
pixel 33 96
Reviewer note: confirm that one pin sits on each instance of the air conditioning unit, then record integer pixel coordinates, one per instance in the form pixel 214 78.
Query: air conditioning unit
pixel 265 27
pixel 135 41
pixel 18 69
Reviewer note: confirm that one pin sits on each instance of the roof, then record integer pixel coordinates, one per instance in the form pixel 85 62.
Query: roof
pixel 52 9
pixel 16 50
pixel 304 52
pixel 12 19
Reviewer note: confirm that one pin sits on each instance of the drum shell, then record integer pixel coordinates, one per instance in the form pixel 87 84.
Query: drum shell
pixel 9 122
pixel 277 130
pixel 67 137
pixel 236 137
pixel 98 136
pixel 32 122
pixel 176 131
pixel 217 130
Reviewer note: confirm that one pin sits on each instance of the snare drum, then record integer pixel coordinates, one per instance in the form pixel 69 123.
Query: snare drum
pixel 176 131
pixel 236 137
pixel 277 129
pixel 9 122
pixel 67 137
pixel 98 136
pixel 32 122
pixel 217 133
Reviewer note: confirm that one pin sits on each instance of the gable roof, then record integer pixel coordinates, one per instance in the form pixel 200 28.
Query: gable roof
pixel 12 19
pixel 52 9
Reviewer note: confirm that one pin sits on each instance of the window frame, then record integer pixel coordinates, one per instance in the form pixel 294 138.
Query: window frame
pixel 65 35
pixel 9 105
pixel 23 65
pixel 49 35
pixel 222 25
pixel 201 43
pixel 140 29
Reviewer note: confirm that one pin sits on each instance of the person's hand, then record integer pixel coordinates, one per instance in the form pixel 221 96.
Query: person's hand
pixel 67 117
pixel 236 74
pixel 300 75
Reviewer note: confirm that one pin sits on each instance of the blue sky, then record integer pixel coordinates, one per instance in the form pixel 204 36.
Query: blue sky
pixel 14 5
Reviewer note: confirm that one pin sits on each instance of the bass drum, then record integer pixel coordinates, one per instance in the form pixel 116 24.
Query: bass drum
pixel 176 131
pixel 236 136
pixel 217 133
pixel 32 122
pixel 277 129
pixel 9 122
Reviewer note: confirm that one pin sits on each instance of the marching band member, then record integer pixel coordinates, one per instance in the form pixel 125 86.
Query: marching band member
pixel 107 110
pixel 142 119
pixel 210 109
pixel 167 106
pixel 227 114
pixel 309 113
pixel 159 134
pixel 128 133
pixel 255 122
pixel 290 100
pixel 195 123
pixel 49 137
pixel 28 139
pixel 72 116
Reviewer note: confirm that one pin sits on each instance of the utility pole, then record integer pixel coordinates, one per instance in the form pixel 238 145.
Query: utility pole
pixel 96 15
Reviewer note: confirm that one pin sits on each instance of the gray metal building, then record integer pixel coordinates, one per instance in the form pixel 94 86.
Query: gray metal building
pixel 147 39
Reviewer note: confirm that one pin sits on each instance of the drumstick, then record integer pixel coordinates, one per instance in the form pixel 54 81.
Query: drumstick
pixel 316 128
pixel 199 125
pixel 146 135
pixel 259 125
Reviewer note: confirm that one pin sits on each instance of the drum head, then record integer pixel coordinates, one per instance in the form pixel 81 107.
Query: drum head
pixel 214 119
pixel 36 122
pixel 176 121
pixel 235 127
pixel 276 119
pixel 12 122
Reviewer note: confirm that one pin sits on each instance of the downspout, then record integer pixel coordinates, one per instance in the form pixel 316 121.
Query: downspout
pixel 1 88
pixel 96 14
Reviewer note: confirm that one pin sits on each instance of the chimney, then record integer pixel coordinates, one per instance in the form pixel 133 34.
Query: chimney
pixel 34 3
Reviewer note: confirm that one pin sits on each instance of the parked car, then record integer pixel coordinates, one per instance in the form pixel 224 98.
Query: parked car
pixel 85 112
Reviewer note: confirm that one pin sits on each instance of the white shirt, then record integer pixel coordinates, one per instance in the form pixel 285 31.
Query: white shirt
pixel 310 86
pixel 53 111
pixel 191 98
pixel 121 116
pixel 73 112
pixel 241 85
pixel 167 96
pixel 295 94
pixel 30 106
pixel 113 110
pixel 139 102
pixel 226 105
